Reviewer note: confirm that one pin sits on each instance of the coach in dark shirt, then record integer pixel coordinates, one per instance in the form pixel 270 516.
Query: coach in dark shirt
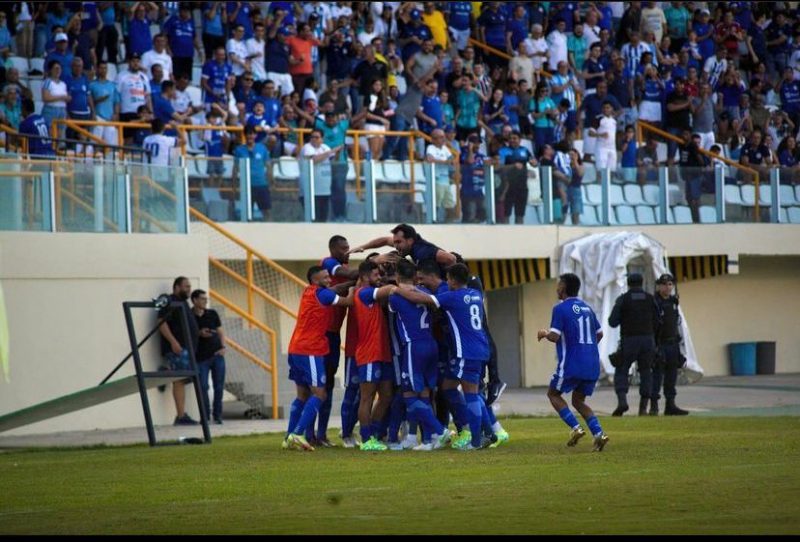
pixel 210 352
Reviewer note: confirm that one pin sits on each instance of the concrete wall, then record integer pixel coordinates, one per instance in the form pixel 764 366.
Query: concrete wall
pixel 758 304
pixel 64 295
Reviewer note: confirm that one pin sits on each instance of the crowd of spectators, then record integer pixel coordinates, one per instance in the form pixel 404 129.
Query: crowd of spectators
pixel 726 71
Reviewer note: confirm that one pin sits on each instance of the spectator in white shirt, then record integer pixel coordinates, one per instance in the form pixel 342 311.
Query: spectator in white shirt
pixel 440 156
pixel 536 48
pixel 158 55
pixel 557 41
pixel 237 52
pixel 606 146
pixel 320 154
pixel 255 53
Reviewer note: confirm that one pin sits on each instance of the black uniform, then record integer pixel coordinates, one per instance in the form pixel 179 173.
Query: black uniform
pixel 638 315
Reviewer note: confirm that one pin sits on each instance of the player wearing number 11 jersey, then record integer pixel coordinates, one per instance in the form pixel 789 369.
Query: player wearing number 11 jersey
pixel 575 330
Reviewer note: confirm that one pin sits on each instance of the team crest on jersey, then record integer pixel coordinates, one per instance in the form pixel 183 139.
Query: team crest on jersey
pixel 576 309
pixel 467 299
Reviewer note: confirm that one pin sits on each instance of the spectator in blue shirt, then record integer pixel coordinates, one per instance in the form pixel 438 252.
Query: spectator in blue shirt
pixel 412 36
pixel 217 79
pixel 629 152
pixel 516 29
pixel 163 109
pixel 472 182
pixel 239 14
pixel 81 105
pixel 139 38
pixel 430 116
pixel 35 128
pixel 245 95
pixel 459 19
pixel 106 104
pixel 215 16
pixel 258 155
pixel 492 31
pixel 108 38
pixel 61 54
pixel 182 40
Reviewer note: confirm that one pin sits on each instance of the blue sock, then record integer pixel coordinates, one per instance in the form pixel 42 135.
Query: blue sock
pixel 397 412
pixel 458 407
pixel 474 417
pixel 294 414
pixel 366 433
pixel 349 410
pixel 427 418
pixel 378 428
pixel 308 415
pixel 594 425
pixel 486 423
pixel 324 416
pixel 568 417
pixel 412 429
pixel 412 414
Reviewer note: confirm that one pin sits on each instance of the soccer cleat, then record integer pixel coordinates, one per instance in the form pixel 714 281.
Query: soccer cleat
pixel 285 444
pixel 373 445
pixel 463 438
pixel 599 442
pixel 575 435
pixel 325 443
pixel 349 442
pixel 469 447
pixel 441 441
pixel 424 447
pixel 395 446
pixel 409 442
pixel 495 390
pixel 299 442
pixel 487 442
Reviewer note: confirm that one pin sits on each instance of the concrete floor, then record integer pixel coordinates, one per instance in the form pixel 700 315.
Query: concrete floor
pixel 764 395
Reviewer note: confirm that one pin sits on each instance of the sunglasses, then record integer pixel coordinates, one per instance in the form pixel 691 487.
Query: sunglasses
pixel 249 79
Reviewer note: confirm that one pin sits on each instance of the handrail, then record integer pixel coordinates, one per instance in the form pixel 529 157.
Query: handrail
pixel 257 289
pixel 666 135
pixel 501 54
pixel 273 368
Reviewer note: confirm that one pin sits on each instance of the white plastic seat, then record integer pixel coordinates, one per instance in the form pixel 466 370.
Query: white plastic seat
pixel 589 174
pixel 787 195
pixel 675 195
pixel 626 216
pixel 794 215
pixel 351 171
pixel 112 72
pixel 288 168
pixel 615 195
pixel 633 194
pixel 227 167
pixel 797 193
pixel 670 216
pixel 36 64
pixel 765 194
pixel 21 64
pixel 682 214
pixel 733 194
pixel 36 89
pixel 589 216
pixel 708 214
pixel 419 172
pixel 195 95
pixel 201 166
pixel 594 194
pixel 197 74
pixel 783 215
pixel 650 194
pixel 645 214
pixel 393 171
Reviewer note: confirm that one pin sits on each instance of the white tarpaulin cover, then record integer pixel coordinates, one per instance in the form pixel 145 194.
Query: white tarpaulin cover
pixel 600 261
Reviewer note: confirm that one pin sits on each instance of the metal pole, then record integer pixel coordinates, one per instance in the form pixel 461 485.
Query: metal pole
pixel 51 200
pixel 605 186
pixel 774 187
pixel 491 211
pixel 127 195
pixel 663 194
pixel 372 196
pixel 719 188
pixel 430 194
pixel 148 418
pixel 546 176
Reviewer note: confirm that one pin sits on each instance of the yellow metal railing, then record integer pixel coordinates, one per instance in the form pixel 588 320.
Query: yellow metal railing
pixel 642 126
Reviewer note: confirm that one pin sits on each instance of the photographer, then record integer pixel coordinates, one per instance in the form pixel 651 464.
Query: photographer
pixel 668 340
pixel 638 315
pixel 210 352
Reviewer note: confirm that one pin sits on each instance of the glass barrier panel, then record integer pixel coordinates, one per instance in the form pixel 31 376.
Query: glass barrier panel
pixel 213 189
pixel 157 199
pixel 90 195
pixel 25 202
pixel 349 190
pixel 692 196
pixel 396 199
pixel 788 195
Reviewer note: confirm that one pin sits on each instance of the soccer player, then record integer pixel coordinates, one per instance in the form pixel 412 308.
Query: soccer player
pixel 352 393
pixel 307 350
pixel 575 330
pixel 373 356
pixel 336 265
pixel 469 348
pixel 419 362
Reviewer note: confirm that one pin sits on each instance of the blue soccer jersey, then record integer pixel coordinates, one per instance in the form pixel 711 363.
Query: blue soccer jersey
pixel 413 321
pixel 464 310
pixel 578 356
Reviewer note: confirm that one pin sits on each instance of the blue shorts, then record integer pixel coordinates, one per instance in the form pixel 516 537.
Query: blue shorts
pixel 470 370
pixel 178 362
pixel 420 366
pixel 350 372
pixel 375 371
pixel 307 370
pixel 575 199
pixel 568 384
pixel 442 363
pixel 215 166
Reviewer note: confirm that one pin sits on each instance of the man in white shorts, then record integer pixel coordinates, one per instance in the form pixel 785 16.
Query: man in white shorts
pixel 606 146
pixel 438 154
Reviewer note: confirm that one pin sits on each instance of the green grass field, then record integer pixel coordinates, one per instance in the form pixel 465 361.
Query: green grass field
pixel 664 475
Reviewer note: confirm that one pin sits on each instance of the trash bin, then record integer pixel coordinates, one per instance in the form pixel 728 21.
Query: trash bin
pixel 765 358
pixel 743 358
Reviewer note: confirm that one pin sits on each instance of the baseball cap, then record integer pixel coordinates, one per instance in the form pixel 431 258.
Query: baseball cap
pixel 61 37
pixel 415 15
pixel 136 55
pixel 665 278
pixel 705 12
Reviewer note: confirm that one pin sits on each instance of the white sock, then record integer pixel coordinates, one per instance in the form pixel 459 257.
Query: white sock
pixel 411 438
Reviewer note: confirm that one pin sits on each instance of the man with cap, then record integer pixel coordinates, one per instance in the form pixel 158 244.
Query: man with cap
pixel 637 312
pixel 61 54
pixel 413 35
pixel 668 340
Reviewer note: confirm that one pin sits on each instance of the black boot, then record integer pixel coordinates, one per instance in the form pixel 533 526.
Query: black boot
pixel 672 410
pixel 643 405
pixel 653 407
pixel 622 405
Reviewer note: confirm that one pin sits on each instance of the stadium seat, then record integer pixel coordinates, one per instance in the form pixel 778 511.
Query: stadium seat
pixel 351 171
pixel 633 194
pixel 37 106
pixel 787 195
pixel 589 216
pixel 733 194
pixel 626 216
pixel 288 169
pixel 36 64
pixel 419 172
pixel 783 215
pixel 645 214
pixel 682 214
pixel 36 89
pixel 197 73
pixel 675 195
pixel 210 194
pixel 201 167
pixel 196 96
pixel 748 195
pixel 670 216
pixel 593 194
pixel 797 194
pixel 227 165
pixel 393 171
pixel 765 194
pixel 615 195
pixel 112 72
pixel 651 193
pixel 589 174
pixel 527 143
pixel 20 63
pixel 794 215
pixel 708 214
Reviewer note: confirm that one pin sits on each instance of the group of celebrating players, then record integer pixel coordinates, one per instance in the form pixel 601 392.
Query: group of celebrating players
pixel 417 347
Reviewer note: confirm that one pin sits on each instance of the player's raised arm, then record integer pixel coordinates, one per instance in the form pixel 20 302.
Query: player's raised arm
pixel 375 243
pixel 348 300
pixel 445 258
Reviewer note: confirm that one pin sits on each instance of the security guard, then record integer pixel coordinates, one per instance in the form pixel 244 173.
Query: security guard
pixel 638 314
pixel 668 340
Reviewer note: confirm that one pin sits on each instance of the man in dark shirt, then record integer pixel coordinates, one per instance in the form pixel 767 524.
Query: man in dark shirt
pixel 368 70
pixel 174 344
pixel 692 164
pixel 340 54
pixel 755 154
pixel 515 159
pixel 210 353
pixel 408 242
pixel 679 116
pixel 668 341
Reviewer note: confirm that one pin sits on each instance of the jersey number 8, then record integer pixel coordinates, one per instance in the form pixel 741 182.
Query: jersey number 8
pixel 475 317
